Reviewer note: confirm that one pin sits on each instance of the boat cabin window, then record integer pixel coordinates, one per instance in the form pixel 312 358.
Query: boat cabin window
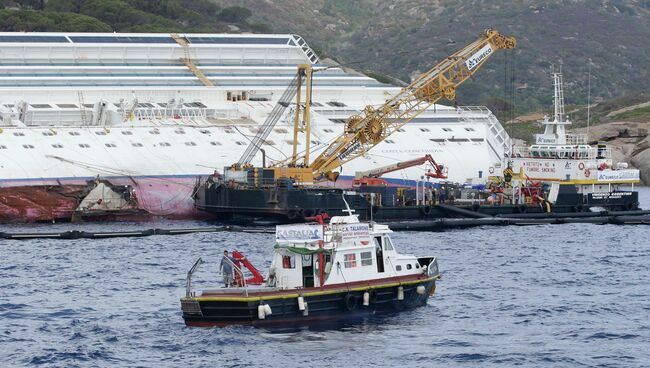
pixel 388 245
pixel 408 266
pixel 398 267
pixel 288 262
pixel 366 258
pixel 350 260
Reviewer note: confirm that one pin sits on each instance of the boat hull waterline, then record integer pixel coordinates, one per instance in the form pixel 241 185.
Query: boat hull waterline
pixel 335 302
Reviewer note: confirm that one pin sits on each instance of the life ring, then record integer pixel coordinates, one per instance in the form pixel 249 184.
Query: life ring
pixel 293 214
pixel 476 207
pixel 491 170
pixel 350 302
pixel 522 208
pixel 587 173
pixel 426 210
pixel 581 166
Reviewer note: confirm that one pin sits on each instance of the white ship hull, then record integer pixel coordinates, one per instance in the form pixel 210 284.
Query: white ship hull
pixel 144 120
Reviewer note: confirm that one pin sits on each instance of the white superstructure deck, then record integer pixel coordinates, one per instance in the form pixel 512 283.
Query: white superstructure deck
pixel 82 105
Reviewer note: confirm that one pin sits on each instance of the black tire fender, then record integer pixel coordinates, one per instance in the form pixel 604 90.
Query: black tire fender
pixel 350 302
pixel 373 296
pixel 426 210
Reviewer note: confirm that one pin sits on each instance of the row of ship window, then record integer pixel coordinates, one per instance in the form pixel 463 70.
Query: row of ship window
pixel 140 104
pixel 124 132
pixel 267 142
pixel 442 140
pixel 229 131
pixel 444 129
pixel 166 105
pixel 177 131
pixel 136 144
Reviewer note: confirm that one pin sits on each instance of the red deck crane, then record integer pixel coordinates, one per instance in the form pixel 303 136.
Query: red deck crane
pixel 371 177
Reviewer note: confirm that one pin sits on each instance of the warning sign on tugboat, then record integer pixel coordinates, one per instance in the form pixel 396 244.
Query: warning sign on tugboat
pixel 355 233
pixel 298 233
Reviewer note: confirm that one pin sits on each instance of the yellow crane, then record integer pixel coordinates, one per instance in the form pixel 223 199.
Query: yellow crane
pixel 373 125
pixel 363 132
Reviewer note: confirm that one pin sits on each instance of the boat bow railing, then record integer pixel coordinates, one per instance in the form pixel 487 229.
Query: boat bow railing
pixel 188 280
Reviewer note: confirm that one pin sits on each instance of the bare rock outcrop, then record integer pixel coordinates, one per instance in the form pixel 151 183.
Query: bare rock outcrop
pixel 629 141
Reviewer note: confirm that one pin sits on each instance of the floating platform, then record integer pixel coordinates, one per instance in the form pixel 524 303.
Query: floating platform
pixel 456 223
pixel 641 217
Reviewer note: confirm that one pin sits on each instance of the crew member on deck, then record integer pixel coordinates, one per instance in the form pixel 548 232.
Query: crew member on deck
pixel 226 269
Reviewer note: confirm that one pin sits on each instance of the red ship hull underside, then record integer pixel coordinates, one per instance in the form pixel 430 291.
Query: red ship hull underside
pixel 56 200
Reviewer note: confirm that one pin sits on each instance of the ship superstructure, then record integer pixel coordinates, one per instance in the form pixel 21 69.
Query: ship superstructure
pixel 154 111
pixel 566 162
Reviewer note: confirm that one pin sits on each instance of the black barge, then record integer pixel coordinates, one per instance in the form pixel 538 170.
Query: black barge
pixel 284 202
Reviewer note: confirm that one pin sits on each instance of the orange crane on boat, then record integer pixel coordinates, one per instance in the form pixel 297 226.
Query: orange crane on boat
pixel 372 177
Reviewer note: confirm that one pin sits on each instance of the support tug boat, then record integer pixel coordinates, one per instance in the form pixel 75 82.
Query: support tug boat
pixel 320 272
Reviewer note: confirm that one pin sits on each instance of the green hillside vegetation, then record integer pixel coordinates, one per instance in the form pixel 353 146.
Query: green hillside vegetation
pixel 403 38
pixel 394 41
pixel 126 16
pixel 642 113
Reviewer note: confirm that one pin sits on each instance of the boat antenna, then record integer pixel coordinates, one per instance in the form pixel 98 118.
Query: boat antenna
pixel 347 206
pixel 372 202
pixel 588 97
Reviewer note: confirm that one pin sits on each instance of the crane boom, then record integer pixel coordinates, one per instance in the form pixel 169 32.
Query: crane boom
pixel 375 173
pixel 363 132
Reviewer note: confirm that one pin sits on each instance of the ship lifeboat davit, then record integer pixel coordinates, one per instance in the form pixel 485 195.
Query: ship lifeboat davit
pixel 256 279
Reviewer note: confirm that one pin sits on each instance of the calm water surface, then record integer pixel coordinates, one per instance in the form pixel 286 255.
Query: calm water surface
pixel 550 295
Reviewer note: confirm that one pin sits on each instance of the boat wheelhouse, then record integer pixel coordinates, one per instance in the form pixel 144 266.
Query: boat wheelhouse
pixel 340 270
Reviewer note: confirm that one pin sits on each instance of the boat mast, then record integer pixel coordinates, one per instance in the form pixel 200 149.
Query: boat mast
pixel 588 97
pixel 559 97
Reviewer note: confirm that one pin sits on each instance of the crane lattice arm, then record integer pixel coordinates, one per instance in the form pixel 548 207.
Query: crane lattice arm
pixel 303 74
pixel 365 131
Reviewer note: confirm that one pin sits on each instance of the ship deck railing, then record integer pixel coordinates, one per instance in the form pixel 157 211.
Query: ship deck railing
pixel 545 152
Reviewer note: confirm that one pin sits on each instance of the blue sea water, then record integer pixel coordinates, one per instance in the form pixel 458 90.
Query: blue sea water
pixel 534 296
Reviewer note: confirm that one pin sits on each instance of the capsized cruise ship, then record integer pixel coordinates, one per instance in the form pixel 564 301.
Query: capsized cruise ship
pixel 101 122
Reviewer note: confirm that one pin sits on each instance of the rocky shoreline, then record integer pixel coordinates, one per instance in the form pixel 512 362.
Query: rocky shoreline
pixel 630 142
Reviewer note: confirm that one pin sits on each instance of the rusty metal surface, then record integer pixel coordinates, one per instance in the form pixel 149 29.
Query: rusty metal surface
pixel 39 203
